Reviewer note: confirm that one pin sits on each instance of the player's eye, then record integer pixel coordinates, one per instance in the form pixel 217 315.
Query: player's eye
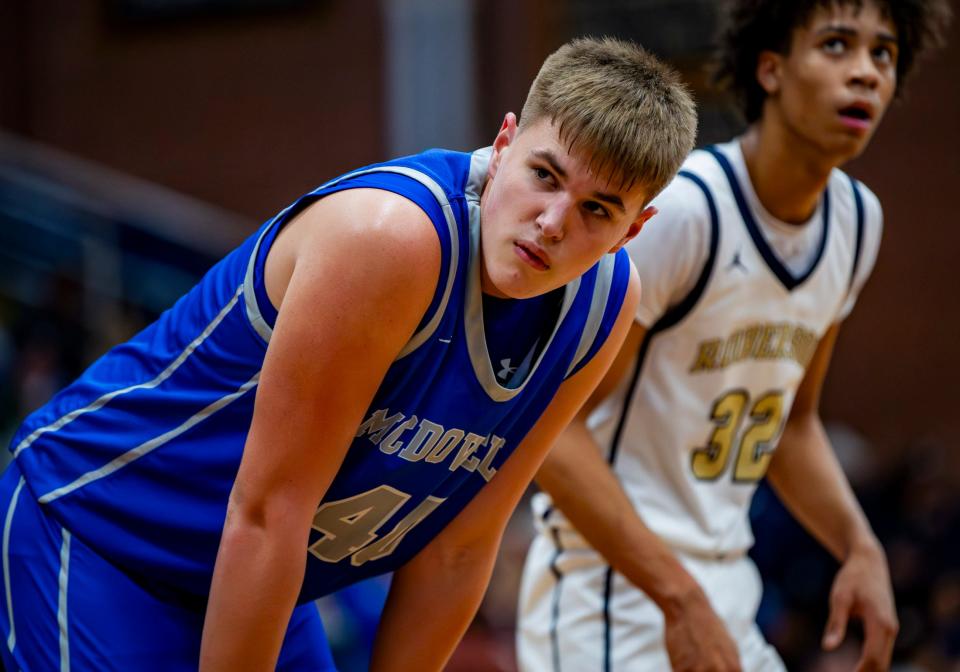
pixel 596 209
pixel 541 174
pixel 883 54
pixel 834 46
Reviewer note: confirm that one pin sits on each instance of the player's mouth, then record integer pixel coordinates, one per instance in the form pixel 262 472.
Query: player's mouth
pixel 858 116
pixel 532 254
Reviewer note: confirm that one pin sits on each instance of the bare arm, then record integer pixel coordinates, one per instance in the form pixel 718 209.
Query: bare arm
pixel 583 486
pixel 338 266
pixel 831 513
pixel 445 582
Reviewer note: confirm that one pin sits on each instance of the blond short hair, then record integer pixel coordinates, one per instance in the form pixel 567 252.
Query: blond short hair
pixel 625 111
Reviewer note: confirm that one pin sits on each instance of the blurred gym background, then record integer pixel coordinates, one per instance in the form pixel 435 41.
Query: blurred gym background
pixel 142 139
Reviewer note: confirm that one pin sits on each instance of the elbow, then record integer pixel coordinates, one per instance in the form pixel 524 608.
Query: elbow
pixel 459 557
pixel 252 522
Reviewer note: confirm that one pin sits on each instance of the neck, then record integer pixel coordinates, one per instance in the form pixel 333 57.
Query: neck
pixel 787 172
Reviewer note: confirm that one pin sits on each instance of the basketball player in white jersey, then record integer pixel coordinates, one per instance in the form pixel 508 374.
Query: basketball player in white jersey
pixel 759 253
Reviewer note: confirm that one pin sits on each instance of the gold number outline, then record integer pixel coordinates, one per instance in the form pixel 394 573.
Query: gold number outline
pixel 715 455
pixel 347 523
pixel 752 445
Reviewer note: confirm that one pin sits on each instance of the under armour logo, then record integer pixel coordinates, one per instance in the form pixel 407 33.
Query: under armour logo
pixel 736 262
pixel 507 370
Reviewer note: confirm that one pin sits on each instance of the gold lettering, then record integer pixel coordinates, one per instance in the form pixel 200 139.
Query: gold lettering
pixel 706 357
pixel 392 444
pixel 427 436
pixel 378 424
pixel 496 443
pixel 466 458
pixel 445 446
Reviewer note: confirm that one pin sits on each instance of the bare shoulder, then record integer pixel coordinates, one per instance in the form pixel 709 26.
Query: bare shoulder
pixel 387 236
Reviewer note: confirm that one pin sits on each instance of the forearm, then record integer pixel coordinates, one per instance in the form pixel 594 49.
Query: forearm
pixel 255 584
pixel 432 602
pixel 586 490
pixel 808 478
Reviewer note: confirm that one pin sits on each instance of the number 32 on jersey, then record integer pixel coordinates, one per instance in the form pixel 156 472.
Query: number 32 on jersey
pixel 755 445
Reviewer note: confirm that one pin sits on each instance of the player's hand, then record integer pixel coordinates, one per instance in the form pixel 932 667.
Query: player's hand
pixel 697 640
pixel 862 589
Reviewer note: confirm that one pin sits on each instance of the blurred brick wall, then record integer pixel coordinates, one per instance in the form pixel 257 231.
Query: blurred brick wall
pixel 244 110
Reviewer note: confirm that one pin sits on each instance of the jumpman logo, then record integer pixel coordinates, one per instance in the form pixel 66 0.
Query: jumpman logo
pixel 507 370
pixel 736 262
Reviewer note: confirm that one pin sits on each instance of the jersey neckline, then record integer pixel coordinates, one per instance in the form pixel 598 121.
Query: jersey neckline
pixel 787 278
pixel 474 327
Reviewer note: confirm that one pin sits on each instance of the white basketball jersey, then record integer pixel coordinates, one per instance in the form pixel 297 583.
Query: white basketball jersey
pixel 691 429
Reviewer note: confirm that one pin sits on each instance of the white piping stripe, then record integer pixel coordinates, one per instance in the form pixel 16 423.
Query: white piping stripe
pixel 107 398
pixel 420 337
pixel 144 448
pixel 264 330
pixel 62 601
pixel 598 306
pixel 12 638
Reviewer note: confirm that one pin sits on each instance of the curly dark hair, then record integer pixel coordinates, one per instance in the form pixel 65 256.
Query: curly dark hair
pixel 753 26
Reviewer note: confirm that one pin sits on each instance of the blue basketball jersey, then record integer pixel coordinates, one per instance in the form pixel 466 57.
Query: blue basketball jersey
pixel 137 457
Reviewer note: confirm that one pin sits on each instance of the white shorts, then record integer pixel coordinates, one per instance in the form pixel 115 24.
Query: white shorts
pixel 576 615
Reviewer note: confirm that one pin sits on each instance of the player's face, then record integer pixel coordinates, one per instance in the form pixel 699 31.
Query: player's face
pixel 546 218
pixel 833 87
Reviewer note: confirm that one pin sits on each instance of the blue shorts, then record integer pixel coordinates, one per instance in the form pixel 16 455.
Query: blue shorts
pixel 65 607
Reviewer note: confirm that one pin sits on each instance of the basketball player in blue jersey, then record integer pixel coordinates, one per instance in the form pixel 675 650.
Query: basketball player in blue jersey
pixel 759 252
pixel 366 385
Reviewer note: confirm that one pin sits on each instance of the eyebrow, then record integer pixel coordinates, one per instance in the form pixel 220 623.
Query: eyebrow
pixel 612 199
pixel 547 156
pixel 850 32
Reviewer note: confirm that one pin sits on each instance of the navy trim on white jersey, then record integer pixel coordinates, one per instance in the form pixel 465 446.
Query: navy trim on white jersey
pixel 607 627
pixel 555 610
pixel 786 277
pixel 858 244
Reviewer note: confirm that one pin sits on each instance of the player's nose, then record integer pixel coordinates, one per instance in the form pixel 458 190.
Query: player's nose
pixel 864 71
pixel 552 220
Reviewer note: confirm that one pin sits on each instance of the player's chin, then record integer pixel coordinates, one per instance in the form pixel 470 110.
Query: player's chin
pixel 846 145
pixel 514 283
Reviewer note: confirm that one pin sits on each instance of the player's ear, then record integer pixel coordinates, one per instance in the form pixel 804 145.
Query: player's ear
pixel 635 227
pixel 769 64
pixel 508 131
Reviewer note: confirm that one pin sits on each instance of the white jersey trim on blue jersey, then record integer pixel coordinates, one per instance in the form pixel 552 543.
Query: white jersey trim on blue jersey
pixel 249 293
pixel 598 306
pixel 107 398
pixel 12 637
pixel 62 584
pixel 473 313
pixel 420 337
pixel 149 446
